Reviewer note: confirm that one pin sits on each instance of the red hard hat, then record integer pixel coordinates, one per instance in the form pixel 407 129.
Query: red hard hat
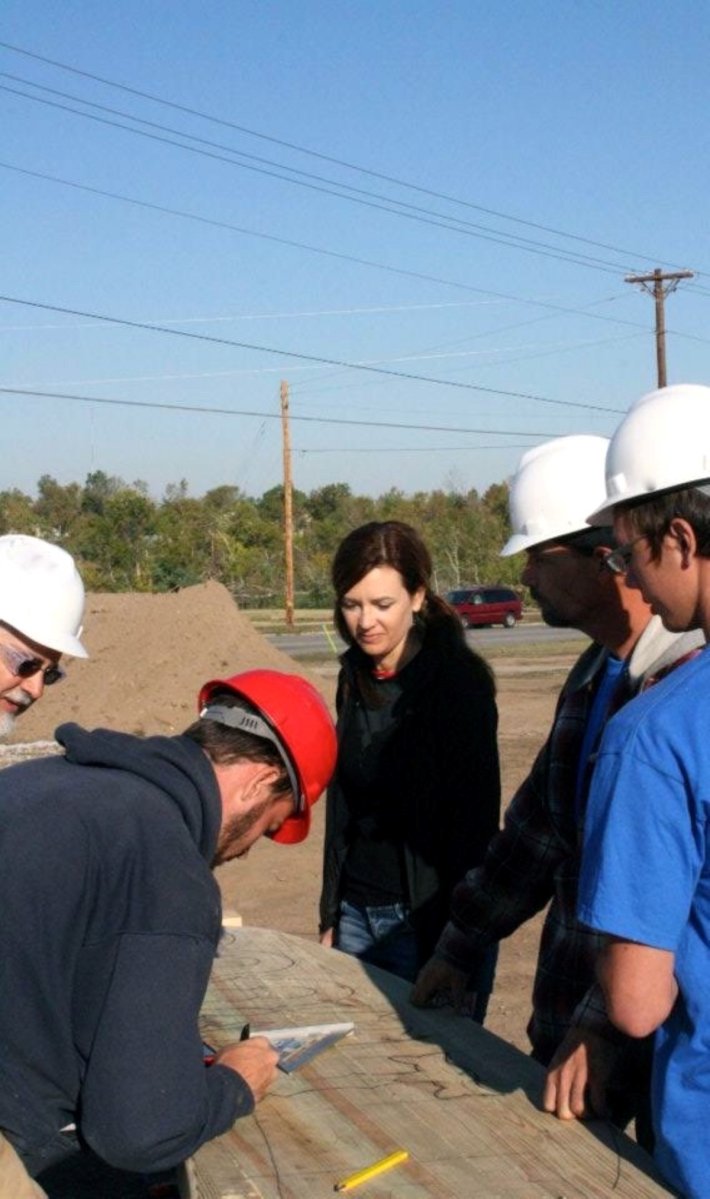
pixel 298 715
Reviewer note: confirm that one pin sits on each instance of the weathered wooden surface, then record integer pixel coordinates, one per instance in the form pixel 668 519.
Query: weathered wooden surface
pixel 462 1101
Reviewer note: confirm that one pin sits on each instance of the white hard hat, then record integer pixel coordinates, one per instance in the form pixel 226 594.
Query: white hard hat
pixel 553 490
pixel 41 593
pixel 662 443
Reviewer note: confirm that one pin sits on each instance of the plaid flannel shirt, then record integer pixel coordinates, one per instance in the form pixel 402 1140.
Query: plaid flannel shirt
pixel 535 860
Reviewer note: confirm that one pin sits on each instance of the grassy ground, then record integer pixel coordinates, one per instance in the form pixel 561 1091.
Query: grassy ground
pixel 272 620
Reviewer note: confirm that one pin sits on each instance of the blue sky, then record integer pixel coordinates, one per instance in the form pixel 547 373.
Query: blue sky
pixel 519 122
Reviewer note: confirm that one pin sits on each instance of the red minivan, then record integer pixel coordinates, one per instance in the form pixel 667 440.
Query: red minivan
pixel 486 605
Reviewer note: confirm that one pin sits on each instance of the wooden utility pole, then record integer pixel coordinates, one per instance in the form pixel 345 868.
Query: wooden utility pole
pixel 288 504
pixel 659 293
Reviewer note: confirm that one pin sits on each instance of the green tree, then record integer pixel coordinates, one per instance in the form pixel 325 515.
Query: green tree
pixel 224 498
pixel 120 541
pixel 124 540
pixel 176 491
pixel 181 551
pixel 98 488
pixel 496 500
pixel 58 508
pixel 17 514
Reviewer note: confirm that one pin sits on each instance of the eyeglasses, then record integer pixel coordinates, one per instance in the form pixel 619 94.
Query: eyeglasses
pixel 24 666
pixel 619 560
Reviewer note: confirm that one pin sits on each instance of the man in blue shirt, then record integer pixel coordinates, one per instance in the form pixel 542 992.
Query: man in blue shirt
pixel 646 873
pixel 534 860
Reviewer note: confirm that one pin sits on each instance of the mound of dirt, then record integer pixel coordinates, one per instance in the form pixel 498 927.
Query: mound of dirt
pixel 150 654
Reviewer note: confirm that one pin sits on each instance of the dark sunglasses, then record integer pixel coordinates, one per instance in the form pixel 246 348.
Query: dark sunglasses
pixel 24 667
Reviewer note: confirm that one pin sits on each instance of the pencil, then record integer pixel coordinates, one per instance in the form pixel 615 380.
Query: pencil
pixel 386 1163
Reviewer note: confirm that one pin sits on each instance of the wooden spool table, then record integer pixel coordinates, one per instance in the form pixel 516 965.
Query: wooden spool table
pixel 460 1100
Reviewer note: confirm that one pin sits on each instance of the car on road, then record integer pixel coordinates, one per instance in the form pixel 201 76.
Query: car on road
pixel 478 606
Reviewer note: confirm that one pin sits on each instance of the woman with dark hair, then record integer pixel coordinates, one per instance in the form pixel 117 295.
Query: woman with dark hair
pixel 416 794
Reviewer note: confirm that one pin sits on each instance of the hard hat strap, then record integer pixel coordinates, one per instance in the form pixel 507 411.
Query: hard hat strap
pixel 251 722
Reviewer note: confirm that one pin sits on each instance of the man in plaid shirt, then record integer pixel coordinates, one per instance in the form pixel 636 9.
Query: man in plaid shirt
pixel 535 859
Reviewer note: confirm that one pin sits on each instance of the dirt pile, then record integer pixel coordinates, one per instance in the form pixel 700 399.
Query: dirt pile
pixel 150 654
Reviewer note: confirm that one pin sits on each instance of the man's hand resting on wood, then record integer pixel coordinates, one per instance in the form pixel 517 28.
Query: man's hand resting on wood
pixel 438 977
pixel 578 1076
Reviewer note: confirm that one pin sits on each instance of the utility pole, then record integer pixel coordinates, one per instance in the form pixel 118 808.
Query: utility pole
pixel 659 293
pixel 288 504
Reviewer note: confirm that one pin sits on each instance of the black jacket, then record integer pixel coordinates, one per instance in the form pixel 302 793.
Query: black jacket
pixel 441 763
pixel 109 920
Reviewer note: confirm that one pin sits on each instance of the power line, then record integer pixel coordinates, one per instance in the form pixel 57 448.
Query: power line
pixel 309 390
pixel 163 209
pixel 507 296
pixel 295 314
pixel 322 157
pixel 552 307
pixel 305 387
pixel 549 306
pixel 437 220
pixel 321 420
pixel 378 370
pixel 411 449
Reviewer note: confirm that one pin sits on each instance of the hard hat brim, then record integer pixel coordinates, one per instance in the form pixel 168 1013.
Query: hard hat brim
pixel 605 515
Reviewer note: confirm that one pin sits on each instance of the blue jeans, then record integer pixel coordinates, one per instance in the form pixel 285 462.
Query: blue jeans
pixel 383 936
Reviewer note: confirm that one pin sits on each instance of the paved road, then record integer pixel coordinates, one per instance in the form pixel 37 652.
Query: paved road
pixel 302 645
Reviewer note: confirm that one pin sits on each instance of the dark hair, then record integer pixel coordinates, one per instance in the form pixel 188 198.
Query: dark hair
pixel 388 543
pixel 651 518
pixel 224 745
pixel 396 544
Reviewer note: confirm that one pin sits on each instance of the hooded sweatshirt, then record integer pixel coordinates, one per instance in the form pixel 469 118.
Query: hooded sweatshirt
pixel 109 921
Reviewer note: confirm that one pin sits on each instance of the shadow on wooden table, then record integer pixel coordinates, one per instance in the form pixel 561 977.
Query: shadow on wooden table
pixel 490 1062
pixel 463 1102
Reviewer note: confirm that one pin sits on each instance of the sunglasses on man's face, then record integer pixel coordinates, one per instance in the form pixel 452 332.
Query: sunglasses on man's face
pixel 24 666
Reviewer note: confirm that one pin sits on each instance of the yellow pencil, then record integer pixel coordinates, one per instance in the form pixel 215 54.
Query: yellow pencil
pixel 354 1180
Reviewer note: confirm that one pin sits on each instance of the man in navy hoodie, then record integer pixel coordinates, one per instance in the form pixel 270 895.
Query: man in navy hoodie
pixel 111 917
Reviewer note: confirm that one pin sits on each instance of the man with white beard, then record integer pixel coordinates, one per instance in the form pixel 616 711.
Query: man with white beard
pixel 41 610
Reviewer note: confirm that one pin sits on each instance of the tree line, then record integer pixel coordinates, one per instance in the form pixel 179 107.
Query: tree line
pixel 125 541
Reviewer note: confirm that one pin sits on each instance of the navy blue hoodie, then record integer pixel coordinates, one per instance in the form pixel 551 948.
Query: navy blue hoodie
pixel 109 921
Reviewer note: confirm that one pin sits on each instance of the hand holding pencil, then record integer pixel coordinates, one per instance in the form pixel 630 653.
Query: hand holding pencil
pixel 255 1059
